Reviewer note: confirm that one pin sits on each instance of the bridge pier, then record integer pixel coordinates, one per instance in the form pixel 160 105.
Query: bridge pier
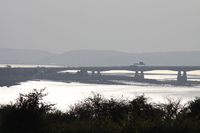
pixel 136 74
pixel 142 75
pixel 139 76
pixel 182 78
pixel 82 72
pixel 98 73
pixel 93 73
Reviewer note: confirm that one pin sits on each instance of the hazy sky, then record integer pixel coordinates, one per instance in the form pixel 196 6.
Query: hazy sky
pixel 124 25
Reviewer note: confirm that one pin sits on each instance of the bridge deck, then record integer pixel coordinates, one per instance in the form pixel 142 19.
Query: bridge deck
pixel 137 68
pixel 130 68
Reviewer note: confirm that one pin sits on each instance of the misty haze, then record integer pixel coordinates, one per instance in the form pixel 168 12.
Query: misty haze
pixel 107 66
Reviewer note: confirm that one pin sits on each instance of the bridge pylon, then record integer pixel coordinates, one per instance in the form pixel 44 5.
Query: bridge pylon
pixel 93 73
pixel 98 73
pixel 139 75
pixel 182 78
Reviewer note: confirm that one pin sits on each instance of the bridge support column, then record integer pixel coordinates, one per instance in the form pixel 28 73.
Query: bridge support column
pixel 136 74
pixel 179 76
pixel 93 73
pixel 82 72
pixel 98 73
pixel 139 76
pixel 182 78
pixel 142 75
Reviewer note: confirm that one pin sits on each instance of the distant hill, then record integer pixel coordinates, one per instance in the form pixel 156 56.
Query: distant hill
pixel 98 58
pixel 16 56
pixel 115 58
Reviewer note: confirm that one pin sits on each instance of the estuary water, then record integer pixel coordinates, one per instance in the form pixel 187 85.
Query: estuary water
pixel 66 94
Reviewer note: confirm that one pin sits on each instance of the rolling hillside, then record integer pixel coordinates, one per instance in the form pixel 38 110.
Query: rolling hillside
pixel 97 58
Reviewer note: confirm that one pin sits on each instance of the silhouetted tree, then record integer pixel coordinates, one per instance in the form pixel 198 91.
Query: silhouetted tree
pixel 194 107
pixel 99 115
pixel 27 114
pixel 96 106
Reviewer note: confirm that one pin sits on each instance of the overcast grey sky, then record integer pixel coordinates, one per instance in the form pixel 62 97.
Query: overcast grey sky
pixel 124 25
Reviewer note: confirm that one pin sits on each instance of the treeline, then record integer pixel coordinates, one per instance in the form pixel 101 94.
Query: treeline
pixel 96 114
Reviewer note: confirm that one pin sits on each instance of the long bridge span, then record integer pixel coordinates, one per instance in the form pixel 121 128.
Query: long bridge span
pixel 136 68
pixel 139 70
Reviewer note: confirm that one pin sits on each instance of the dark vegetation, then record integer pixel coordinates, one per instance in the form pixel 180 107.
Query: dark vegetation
pixel 96 114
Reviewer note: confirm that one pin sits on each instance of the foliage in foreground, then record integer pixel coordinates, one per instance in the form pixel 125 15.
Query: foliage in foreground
pixel 96 114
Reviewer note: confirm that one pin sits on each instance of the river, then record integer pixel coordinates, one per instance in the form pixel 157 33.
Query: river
pixel 66 94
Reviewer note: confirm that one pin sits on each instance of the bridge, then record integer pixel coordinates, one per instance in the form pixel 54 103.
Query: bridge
pixel 139 70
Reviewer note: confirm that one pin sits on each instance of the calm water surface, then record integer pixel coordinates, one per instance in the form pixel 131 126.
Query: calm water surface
pixel 65 94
